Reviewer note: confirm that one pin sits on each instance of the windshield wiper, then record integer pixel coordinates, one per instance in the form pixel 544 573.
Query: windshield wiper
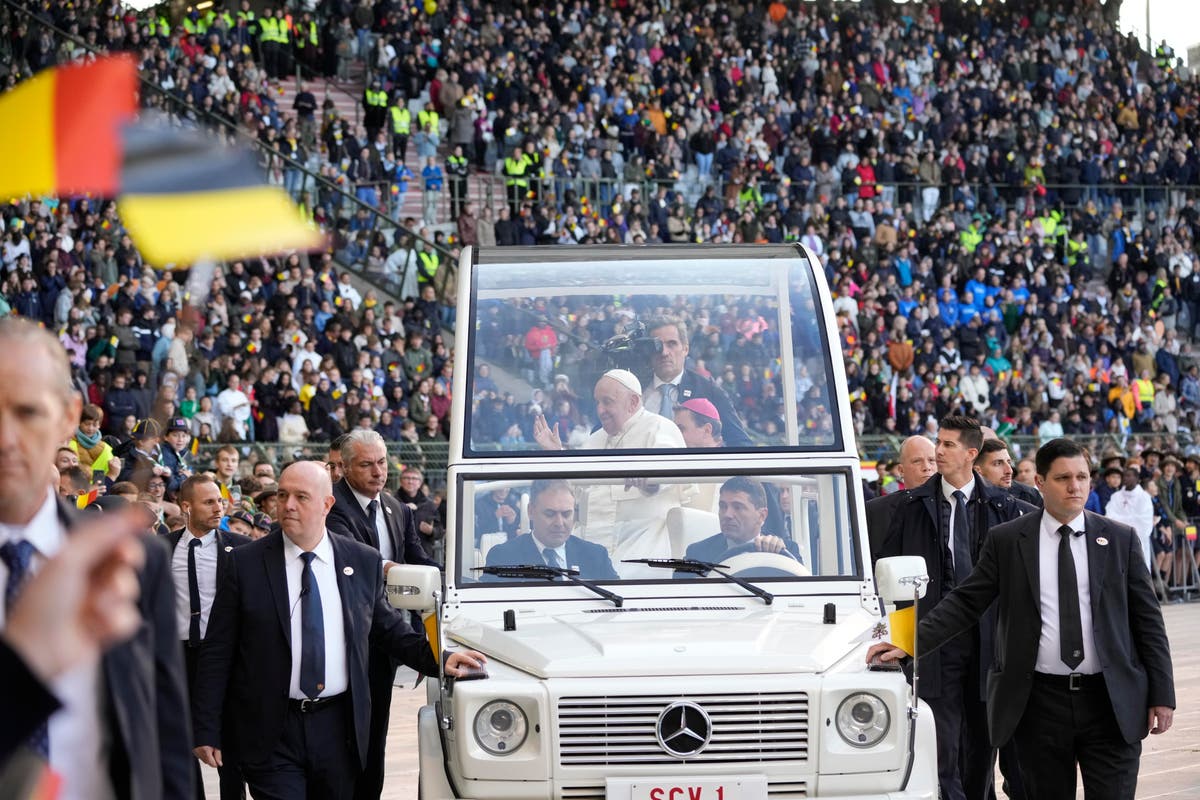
pixel 550 574
pixel 703 568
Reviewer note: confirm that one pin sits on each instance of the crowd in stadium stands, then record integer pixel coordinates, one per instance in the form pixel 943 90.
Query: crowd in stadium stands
pixel 1003 199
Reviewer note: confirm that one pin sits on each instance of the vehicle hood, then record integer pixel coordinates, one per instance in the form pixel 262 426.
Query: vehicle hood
pixel 668 641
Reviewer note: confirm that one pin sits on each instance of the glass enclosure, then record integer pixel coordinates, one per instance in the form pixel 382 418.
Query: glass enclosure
pixel 728 352
pixel 610 529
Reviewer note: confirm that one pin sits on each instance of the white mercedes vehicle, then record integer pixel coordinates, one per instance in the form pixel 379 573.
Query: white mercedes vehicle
pixel 655 533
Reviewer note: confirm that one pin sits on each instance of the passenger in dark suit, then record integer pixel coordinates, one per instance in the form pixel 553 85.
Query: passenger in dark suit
pixel 946 520
pixel 669 369
pixel 742 509
pixel 549 541
pixel 283 688
pixel 1083 667
pixel 201 566
pixel 917 465
pixel 131 730
pixel 363 511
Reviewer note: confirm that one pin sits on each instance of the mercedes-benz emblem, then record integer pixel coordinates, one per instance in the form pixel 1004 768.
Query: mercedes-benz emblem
pixel 683 729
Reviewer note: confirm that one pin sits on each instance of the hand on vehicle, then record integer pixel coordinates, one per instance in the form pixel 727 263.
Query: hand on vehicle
pixel 770 544
pixel 885 652
pixel 464 661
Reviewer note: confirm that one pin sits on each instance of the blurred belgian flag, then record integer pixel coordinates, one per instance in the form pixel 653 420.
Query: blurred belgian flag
pixel 182 196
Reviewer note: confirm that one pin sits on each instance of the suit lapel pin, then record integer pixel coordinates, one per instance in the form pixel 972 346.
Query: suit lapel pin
pixel 687 392
pixel 347 570
pixel 1100 540
pixel 387 510
pixel 228 548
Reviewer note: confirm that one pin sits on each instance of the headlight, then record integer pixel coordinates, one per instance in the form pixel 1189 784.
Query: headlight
pixel 500 727
pixel 863 719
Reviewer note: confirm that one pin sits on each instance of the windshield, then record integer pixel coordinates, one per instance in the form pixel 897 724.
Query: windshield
pixel 643 353
pixel 612 530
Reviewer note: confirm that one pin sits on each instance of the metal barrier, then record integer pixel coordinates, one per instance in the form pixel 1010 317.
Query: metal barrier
pixel 1184 577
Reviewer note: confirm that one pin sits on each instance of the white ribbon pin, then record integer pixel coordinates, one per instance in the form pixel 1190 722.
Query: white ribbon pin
pixel 347 570
pixel 1100 540
pixel 228 548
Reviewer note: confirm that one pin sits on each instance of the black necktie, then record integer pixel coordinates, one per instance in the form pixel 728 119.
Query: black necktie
pixel 1070 627
pixel 312 632
pixel 551 558
pixel 18 558
pixel 372 508
pixel 962 539
pixel 193 596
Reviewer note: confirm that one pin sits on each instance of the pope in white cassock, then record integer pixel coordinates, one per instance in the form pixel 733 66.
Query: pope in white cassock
pixel 631 519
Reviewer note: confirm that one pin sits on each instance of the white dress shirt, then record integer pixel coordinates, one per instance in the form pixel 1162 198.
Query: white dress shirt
pixel 948 492
pixel 78 740
pixel 206 580
pixel 325 574
pixel 385 540
pixel 1049 659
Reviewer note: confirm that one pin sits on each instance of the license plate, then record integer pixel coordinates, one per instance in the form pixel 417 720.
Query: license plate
pixel 675 788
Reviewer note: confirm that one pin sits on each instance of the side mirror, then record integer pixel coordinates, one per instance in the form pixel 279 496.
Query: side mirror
pixel 896 576
pixel 412 587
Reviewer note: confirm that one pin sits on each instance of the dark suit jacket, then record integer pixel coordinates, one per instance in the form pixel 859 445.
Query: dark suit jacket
pixel 348 519
pixel 916 530
pixel 712 548
pixel 692 385
pixel 25 702
pixel 1027 493
pixel 1130 638
pixel 249 638
pixel 880 512
pixel 147 690
pixel 226 542
pixel 591 559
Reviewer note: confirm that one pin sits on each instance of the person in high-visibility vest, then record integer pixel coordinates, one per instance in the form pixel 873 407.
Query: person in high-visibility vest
pixel 427 118
pixel 283 43
pixel 458 169
pixel 1078 258
pixel 401 128
pixel 375 109
pixel 428 262
pixel 268 42
pixel 307 41
pixel 1143 387
pixel 514 179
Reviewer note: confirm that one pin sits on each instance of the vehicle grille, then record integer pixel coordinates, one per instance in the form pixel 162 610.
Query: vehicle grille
pixel 746 728
pixel 776 790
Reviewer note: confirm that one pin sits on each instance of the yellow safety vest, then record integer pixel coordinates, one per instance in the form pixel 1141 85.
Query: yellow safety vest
pixel 515 170
pixel 378 99
pixel 268 28
pixel 1145 390
pixel 401 120
pixel 425 118
pixel 429 260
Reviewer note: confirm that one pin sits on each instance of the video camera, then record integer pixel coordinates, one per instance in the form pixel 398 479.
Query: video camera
pixel 632 350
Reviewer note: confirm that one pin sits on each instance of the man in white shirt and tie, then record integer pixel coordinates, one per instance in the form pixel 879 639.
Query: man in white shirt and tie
pixel 120 728
pixel 362 510
pixel 282 685
pixel 550 540
pixel 1085 668
pixel 200 553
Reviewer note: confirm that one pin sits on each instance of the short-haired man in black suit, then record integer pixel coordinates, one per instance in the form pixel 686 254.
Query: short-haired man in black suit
pixel 197 570
pixel 363 511
pixel 550 541
pixel 742 509
pixel 673 384
pixel 1084 667
pixel 282 687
